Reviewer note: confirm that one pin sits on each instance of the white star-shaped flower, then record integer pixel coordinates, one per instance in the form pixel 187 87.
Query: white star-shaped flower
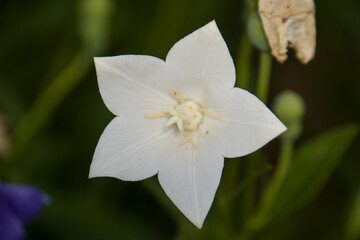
pixel 179 118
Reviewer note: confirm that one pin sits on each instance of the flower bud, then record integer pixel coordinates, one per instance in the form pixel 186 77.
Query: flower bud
pixel 290 108
pixel 256 33
pixel 93 27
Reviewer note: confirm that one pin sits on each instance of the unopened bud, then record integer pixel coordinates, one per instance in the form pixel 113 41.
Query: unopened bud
pixel 256 32
pixel 94 23
pixel 289 107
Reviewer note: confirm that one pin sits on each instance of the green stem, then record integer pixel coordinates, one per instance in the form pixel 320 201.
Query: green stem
pixel 46 103
pixel 243 67
pixel 253 159
pixel 248 203
pixel 270 194
pixel 245 184
pixel 264 76
pixel 223 202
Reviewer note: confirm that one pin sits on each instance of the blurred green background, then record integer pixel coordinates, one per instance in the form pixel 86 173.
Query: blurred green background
pixel 54 114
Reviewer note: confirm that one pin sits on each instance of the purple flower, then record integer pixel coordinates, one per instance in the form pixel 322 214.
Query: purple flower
pixel 18 204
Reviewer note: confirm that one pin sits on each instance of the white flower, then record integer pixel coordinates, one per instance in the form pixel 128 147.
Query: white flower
pixel 193 88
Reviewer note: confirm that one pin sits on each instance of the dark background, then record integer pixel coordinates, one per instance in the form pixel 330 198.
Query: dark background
pixel 39 39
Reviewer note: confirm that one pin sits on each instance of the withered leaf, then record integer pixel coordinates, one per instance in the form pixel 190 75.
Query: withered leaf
pixel 289 23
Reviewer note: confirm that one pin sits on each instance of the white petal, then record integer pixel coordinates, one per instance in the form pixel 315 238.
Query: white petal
pixel 200 60
pixel 246 124
pixel 188 175
pixel 190 179
pixel 129 84
pixel 131 149
pixel 172 111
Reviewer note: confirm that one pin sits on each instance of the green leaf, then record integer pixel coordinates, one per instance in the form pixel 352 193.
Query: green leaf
pixel 311 167
pixel 353 224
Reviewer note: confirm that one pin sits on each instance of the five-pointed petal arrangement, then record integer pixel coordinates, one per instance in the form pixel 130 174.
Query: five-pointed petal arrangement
pixel 179 118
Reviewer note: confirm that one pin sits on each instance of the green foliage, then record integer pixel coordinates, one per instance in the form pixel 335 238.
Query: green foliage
pixel 310 169
pixel 353 224
pixel 80 217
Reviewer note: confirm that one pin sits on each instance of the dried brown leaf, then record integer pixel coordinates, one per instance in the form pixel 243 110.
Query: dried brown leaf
pixel 289 23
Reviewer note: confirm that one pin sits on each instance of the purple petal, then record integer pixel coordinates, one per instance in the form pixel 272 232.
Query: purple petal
pixel 24 201
pixel 10 226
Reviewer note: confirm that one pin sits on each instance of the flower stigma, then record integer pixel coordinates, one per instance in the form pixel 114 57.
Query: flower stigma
pixel 187 115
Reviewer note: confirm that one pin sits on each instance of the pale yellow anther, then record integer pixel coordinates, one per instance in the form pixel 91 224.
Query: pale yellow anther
pixel 160 114
pixel 209 113
pixel 177 95
pixel 187 138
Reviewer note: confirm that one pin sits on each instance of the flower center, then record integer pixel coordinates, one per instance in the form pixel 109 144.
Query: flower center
pixel 187 115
